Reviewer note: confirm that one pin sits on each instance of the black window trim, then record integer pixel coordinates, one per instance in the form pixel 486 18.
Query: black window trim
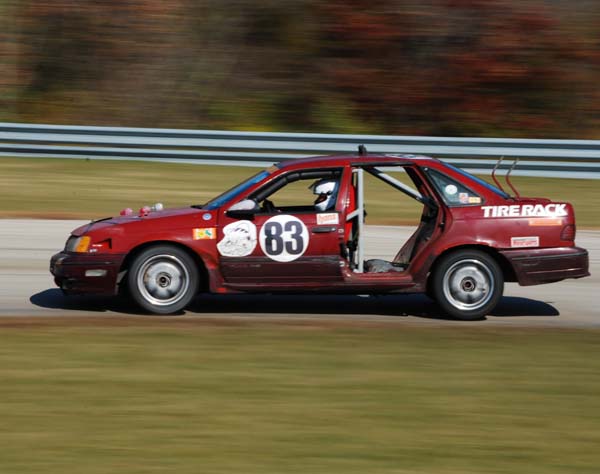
pixel 292 176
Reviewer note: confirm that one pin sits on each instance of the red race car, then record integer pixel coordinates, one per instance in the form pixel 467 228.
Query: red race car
pixel 264 236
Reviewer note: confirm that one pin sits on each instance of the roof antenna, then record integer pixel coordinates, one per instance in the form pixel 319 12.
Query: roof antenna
pixel 507 178
pixel 494 174
pixel 362 150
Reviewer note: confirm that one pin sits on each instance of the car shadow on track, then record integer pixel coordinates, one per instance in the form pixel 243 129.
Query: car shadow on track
pixel 55 299
pixel 511 306
pixel 416 305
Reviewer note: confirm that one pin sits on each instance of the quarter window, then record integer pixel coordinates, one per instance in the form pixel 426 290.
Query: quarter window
pixel 453 193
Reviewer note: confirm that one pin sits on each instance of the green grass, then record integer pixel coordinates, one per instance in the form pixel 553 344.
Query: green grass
pixel 93 188
pixel 191 397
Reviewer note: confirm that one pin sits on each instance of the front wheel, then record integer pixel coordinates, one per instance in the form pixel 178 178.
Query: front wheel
pixel 467 284
pixel 163 279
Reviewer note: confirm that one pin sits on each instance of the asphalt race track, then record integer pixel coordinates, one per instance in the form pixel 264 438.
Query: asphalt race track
pixel 27 289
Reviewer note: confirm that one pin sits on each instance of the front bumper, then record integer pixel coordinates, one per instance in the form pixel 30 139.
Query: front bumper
pixel 538 266
pixel 85 273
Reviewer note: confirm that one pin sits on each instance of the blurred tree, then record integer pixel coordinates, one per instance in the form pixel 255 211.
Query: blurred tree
pixel 454 67
pixel 441 67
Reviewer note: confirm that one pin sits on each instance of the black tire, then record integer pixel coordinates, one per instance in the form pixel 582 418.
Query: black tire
pixel 163 279
pixel 467 284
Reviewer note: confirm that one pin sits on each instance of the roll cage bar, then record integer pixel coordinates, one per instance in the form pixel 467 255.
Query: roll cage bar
pixel 400 186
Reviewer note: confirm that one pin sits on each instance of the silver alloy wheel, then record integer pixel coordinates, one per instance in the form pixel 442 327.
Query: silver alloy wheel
pixel 163 280
pixel 468 284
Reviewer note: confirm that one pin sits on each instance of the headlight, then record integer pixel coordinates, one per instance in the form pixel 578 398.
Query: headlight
pixel 78 244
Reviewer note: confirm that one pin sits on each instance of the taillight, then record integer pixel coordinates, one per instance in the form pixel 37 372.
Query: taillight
pixel 568 233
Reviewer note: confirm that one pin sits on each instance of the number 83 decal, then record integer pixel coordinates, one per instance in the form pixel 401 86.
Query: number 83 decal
pixel 283 238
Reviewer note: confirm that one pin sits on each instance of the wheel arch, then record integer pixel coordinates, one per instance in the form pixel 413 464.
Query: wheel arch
pixel 135 251
pixel 508 272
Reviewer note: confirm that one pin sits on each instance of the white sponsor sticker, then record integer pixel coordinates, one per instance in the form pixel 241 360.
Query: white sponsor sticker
pixel 239 239
pixel 521 242
pixel 451 190
pixel 329 218
pixel 283 238
pixel 525 210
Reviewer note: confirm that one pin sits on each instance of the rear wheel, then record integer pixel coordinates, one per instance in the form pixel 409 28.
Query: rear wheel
pixel 467 284
pixel 163 279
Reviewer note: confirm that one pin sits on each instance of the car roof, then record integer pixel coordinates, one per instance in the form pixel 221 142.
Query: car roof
pixel 354 159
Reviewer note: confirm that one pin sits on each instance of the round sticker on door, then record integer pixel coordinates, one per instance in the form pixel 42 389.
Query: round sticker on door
pixel 283 238
pixel 239 239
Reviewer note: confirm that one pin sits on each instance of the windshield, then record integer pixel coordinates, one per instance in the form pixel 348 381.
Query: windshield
pixel 480 181
pixel 235 191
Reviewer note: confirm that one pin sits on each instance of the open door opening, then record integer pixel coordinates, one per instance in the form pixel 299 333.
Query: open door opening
pixel 390 193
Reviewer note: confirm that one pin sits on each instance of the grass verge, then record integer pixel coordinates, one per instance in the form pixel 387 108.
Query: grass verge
pixel 55 188
pixel 189 397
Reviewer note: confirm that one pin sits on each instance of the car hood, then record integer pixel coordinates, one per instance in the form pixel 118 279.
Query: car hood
pixel 125 220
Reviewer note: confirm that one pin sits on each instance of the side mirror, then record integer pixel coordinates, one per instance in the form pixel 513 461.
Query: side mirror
pixel 246 208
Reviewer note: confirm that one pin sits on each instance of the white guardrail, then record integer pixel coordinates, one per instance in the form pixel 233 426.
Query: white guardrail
pixel 547 158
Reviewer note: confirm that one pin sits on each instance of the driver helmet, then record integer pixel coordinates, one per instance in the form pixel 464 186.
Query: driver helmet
pixel 325 189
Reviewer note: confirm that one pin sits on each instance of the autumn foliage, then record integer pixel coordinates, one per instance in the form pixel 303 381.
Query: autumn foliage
pixel 435 67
